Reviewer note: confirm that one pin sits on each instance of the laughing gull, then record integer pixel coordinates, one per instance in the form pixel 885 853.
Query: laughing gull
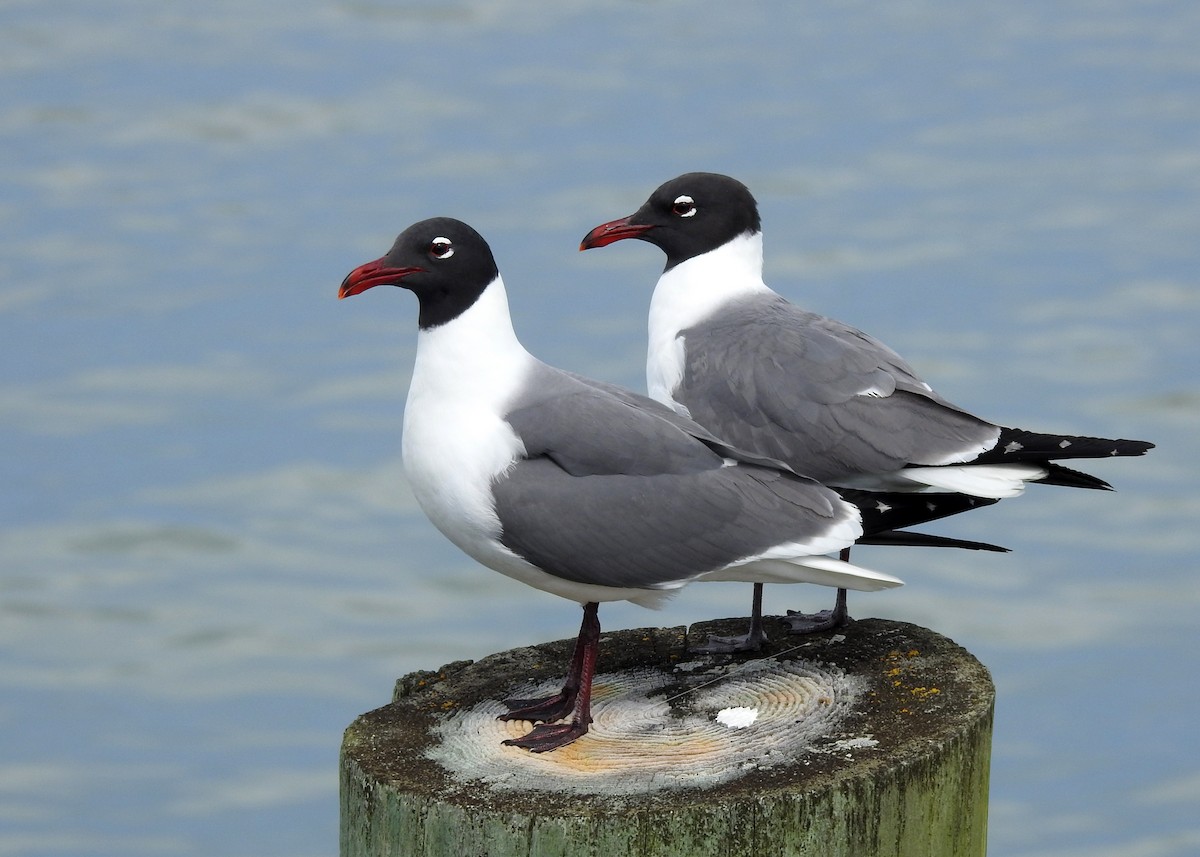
pixel 587 490
pixel 832 402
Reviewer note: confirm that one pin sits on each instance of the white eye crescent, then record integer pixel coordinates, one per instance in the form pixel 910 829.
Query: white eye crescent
pixel 684 206
pixel 441 248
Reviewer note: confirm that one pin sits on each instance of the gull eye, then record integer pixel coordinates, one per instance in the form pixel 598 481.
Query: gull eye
pixel 684 206
pixel 441 248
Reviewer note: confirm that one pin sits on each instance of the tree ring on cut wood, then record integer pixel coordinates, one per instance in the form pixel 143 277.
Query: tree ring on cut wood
pixel 656 728
pixel 884 693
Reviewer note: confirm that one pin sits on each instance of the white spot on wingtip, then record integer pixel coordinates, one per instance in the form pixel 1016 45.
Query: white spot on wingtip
pixel 1012 446
pixel 737 718
pixel 881 506
pixel 1063 444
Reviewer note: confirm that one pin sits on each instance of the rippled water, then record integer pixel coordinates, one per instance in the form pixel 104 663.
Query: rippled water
pixel 209 561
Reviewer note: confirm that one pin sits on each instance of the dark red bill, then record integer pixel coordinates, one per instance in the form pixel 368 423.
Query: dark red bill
pixel 373 274
pixel 614 230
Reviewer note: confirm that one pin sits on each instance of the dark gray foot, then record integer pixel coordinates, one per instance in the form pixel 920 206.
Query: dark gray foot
pixel 751 641
pixel 814 623
pixel 549 736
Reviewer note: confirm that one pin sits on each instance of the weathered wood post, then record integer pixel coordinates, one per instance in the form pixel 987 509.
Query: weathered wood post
pixel 870 742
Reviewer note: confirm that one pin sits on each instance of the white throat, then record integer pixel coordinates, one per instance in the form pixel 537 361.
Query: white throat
pixel 689 293
pixel 473 358
pixel 455 438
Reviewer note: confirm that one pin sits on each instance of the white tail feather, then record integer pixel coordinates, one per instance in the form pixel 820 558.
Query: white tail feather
pixel 822 570
pixel 998 481
pixel 979 480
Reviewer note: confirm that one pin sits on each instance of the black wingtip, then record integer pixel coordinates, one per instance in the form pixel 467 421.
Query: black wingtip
pixel 1068 478
pixel 907 538
pixel 884 511
pixel 1019 445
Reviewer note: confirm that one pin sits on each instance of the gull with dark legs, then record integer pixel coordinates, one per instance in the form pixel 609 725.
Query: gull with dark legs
pixel 830 401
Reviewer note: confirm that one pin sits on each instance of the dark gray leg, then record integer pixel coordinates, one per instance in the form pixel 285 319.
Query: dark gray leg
pixel 751 641
pixel 825 620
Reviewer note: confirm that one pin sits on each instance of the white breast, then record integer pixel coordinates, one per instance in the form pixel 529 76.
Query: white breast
pixel 688 294
pixel 455 438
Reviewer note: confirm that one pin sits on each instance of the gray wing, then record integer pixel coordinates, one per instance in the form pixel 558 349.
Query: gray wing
pixel 822 396
pixel 635 501
pixel 683 423
pixel 591 428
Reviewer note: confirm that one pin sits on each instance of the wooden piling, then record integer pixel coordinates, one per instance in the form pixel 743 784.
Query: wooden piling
pixel 870 742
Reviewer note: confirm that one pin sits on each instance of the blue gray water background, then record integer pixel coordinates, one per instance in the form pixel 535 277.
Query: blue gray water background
pixel 209 560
